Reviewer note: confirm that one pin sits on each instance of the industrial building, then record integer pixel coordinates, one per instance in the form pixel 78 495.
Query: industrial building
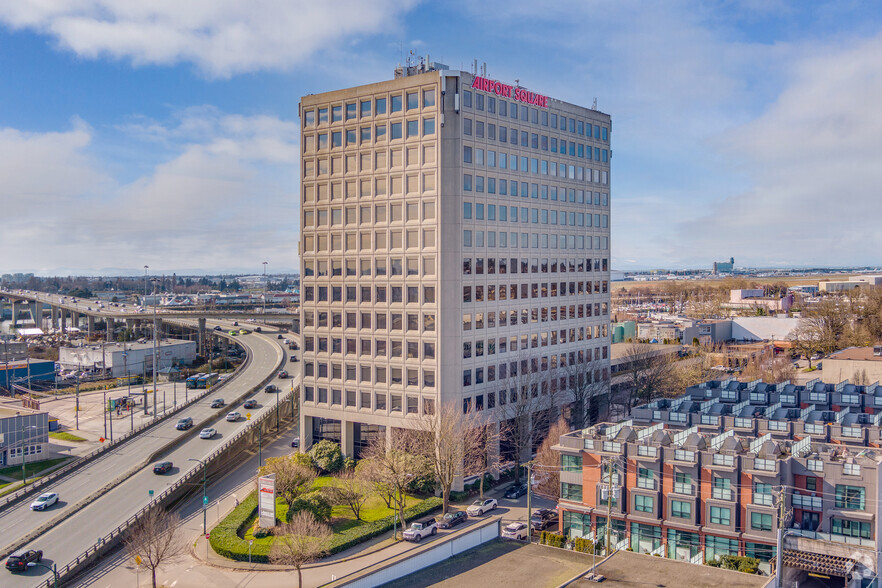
pixel 127 358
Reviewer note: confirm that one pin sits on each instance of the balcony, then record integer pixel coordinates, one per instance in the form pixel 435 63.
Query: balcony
pixel 831 537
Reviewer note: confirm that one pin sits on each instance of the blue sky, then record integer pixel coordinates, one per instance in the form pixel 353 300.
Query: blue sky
pixel 165 133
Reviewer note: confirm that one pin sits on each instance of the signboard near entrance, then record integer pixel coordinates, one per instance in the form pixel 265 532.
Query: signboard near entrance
pixel 266 500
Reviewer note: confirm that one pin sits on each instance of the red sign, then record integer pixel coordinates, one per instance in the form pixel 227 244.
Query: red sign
pixel 506 91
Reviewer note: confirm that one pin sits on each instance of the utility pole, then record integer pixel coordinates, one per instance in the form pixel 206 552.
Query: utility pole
pixel 779 572
pixel 154 348
pixel 529 502
pixel 609 495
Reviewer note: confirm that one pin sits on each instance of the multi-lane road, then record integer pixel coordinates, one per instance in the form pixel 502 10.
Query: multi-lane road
pixel 65 531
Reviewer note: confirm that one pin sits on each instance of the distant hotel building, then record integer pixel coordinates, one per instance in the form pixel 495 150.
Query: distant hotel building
pixel 455 231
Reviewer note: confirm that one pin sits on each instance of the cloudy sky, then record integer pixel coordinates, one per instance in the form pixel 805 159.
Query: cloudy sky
pixel 165 132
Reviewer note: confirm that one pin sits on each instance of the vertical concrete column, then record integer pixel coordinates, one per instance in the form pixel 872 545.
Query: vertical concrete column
pixel 347 432
pixel 130 325
pixel 90 324
pixel 202 340
pixel 36 309
pixel 63 320
pixel 14 314
pixel 110 325
pixel 305 432
pixel 494 449
pixel 54 318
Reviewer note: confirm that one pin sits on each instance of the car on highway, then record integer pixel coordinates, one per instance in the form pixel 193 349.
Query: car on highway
pixel 271 388
pixel 18 562
pixel 283 374
pixel 234 333
pixel 451 519
pixel 162 467
pixel 279 336
pixel 184 424
pixel 517 531
pixel 233 416
pixel 207 433
pixel 44 501
pixel 516 491
pixel 244 332
pixel 542 518
pixel 250 403
pixel 217 403
pixel 258 330
pixel 293 358
pixel 235 323
pixel 479 507
pixel 218 328
pixel 295 442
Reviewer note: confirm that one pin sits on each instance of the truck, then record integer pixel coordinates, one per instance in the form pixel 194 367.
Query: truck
pixel 420 529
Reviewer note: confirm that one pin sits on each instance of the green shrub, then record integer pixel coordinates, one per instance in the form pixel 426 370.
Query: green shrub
pixel 458 496
pixel 739 563
pixel 424 484
pixel 226 540
pixel 583 545
pixel 326 456
pixel 259 532
pixel 315 502
pixel 552 539
pixel 348 464
pixel 355 535
pixel 303 459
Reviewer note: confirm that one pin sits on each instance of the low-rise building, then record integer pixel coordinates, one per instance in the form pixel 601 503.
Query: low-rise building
pixel 860 365
pixel 755 299
pixel 127 358
pixel 24 436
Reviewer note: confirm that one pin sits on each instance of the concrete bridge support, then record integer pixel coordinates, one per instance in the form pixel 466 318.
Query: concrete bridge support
pixel 54 316
pixel 90 324
pixel 202 338
pixel 36 310
pixel 63 327
pixel 111 324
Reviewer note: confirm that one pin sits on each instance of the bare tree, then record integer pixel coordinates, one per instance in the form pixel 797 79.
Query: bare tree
pixel 292 479
pixel 547 463
pixel 768 368
pixel 649 372
pixel 350 490
pixel 303 540
pixel 393 466
pixel 584 383
pixel 807 339
pixel 517 402
pixel 828 319
pixel 153 540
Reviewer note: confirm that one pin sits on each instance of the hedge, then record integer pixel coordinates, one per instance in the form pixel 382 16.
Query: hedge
pixel 226 542
pixel 552 539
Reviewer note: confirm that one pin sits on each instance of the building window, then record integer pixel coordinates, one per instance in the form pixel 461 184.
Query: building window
pixel 850 497
pixel 681 509
pixel 850 528
pixel 760 521
pixel 645 479
pixel 720 515
pixel 682 483
pixel 571 492
pixel 644 503
pixel 762 494
pixel 722 489
pixel 571 463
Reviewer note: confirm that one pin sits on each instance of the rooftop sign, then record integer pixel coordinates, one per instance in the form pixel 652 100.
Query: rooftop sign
pixel 506 91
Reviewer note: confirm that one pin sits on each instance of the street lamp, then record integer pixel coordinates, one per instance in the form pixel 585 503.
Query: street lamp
pixel 264 290
pixel 53 569
pixel 204 497
pixel 24 475
pixel 146 267
pixel 155 366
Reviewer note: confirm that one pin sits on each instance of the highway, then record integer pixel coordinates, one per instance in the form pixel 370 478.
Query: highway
pixel 72 532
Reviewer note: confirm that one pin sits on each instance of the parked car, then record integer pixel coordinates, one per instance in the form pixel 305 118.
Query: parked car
pixel 217 403
pixel 451 519
pixel 250 403
pixel 420 529
pixel 516 491
pixel 233 416
pixel 295 442
pixel 184 424
pixel 517 531
pixel 542 518
pixel 44 501
pixel 283 374
pixel 18 562
pixel 271 388
pixel 207 433
pixel 162 467
pixel 479 507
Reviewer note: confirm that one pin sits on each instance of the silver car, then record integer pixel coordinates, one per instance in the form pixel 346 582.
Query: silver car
pixel 44 501
pixel 207 433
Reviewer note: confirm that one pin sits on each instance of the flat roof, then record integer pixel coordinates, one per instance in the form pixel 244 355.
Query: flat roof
pixel 856 353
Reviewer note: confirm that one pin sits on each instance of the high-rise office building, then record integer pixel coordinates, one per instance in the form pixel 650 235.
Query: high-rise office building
pixel 454 248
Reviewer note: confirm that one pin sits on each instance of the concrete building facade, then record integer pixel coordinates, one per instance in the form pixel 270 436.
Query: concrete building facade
pixel 455 235
pixel 127 358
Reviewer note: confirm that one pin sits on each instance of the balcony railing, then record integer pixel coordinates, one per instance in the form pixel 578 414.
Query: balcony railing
pixel 832 537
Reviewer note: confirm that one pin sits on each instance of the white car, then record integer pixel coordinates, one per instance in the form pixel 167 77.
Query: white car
pixel 233 417
pixel 517 531
pixel 207 433
pixel 479 507
pixel 44 501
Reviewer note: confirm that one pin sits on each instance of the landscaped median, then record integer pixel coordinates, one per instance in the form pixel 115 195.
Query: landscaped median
pixel 230 538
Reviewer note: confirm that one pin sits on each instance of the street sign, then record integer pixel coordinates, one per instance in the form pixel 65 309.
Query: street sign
pixel 101 439
pixel 205 501
pixel 248 416
pixel 150 492
pixel 138 559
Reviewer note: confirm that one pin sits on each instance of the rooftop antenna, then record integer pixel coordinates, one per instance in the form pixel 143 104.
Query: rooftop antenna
pixel 475 67
pixel 484 69
pixel 594 105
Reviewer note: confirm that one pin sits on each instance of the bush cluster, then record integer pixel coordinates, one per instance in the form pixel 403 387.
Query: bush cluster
pixel 583 545
pixel 315 502
pixel 552 539
pixel 739 563
pixel 355 535
pixel 326 456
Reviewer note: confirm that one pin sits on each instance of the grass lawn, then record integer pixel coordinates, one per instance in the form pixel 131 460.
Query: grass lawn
pixel 342 518
pixel 65 436
pixel 32 468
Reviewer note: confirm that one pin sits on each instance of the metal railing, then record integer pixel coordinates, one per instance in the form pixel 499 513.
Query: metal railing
pixel 110 539
pixel 78 463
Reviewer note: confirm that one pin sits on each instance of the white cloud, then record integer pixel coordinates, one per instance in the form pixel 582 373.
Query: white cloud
pixel 221 37
pixel 223 196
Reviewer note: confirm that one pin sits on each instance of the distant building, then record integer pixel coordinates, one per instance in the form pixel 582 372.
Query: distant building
pixel 660 331
pixel 724 267
pixel 623 331
pixel 24 435
pixel 858 365
pixel 853 283
pixel 130 358
pixel 755 298
pixel 805 290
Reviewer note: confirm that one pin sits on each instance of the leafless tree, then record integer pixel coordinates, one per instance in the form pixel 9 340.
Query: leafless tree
pixel 649 371
pixel 807 339
pixel 292 479
pixel 828 320
pixel 153 540
pixel 768 368
pixel 547 463
pixel 393 466
pixel 350 490
pixel 584 383
pixel 303 540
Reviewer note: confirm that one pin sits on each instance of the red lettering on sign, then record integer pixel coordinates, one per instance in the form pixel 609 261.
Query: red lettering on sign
pixel 504 90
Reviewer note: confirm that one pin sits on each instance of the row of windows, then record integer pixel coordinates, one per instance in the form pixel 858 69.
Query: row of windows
pixel 379 161
pixel 368 135
pixel 510 396
pixel 392 402
pixel 542 216
pixel 367 214
pixel 372 347
pixel 537 289
pixel 338 164
pixel 380 321
pixel 510 344
pixel 396 294
pixel 535 141
pixel 527 265
pixel 571 172
pixel 576 333
pixel 535 365
pixel 362 373
pixel 535 240
pixel 367 107
pixel 535 116
pixel 369 240
pixel 382 266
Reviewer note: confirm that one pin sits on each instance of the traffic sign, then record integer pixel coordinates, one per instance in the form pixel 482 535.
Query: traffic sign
pixel 248 416
pixel 205 501
pixel 138 559
pixel 150 492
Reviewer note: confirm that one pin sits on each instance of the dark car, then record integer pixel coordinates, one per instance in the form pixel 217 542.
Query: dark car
pixel 162 467
pixel 279 336
pixel 542 518
pixel 452 519
pixel 217 403
pixel 184 424
pixel 271 388
pixel 252 403
pixel 258 330
pixel 516 491
pixel 18 562
pixel 235 323
pixel 293 358
pixel 283 374
pixel 218 328
pixel 295 442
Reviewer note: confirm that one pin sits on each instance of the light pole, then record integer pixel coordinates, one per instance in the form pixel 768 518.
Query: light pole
pixel 264 290
pixel 154 280
pixel 24 475
pixel 53 569
pixel 204 497
pixel 146 267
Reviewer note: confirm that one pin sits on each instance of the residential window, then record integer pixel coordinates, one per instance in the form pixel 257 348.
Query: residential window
pixel 760 521
pixel 571 463
pixel 644 503
pixel 571 492
pixel 682 483
pixel 762 494
pixel 720 515
pixel 850 528
pixel 645 478
pixel 722 489
pixel 850 497
pixel 681 509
